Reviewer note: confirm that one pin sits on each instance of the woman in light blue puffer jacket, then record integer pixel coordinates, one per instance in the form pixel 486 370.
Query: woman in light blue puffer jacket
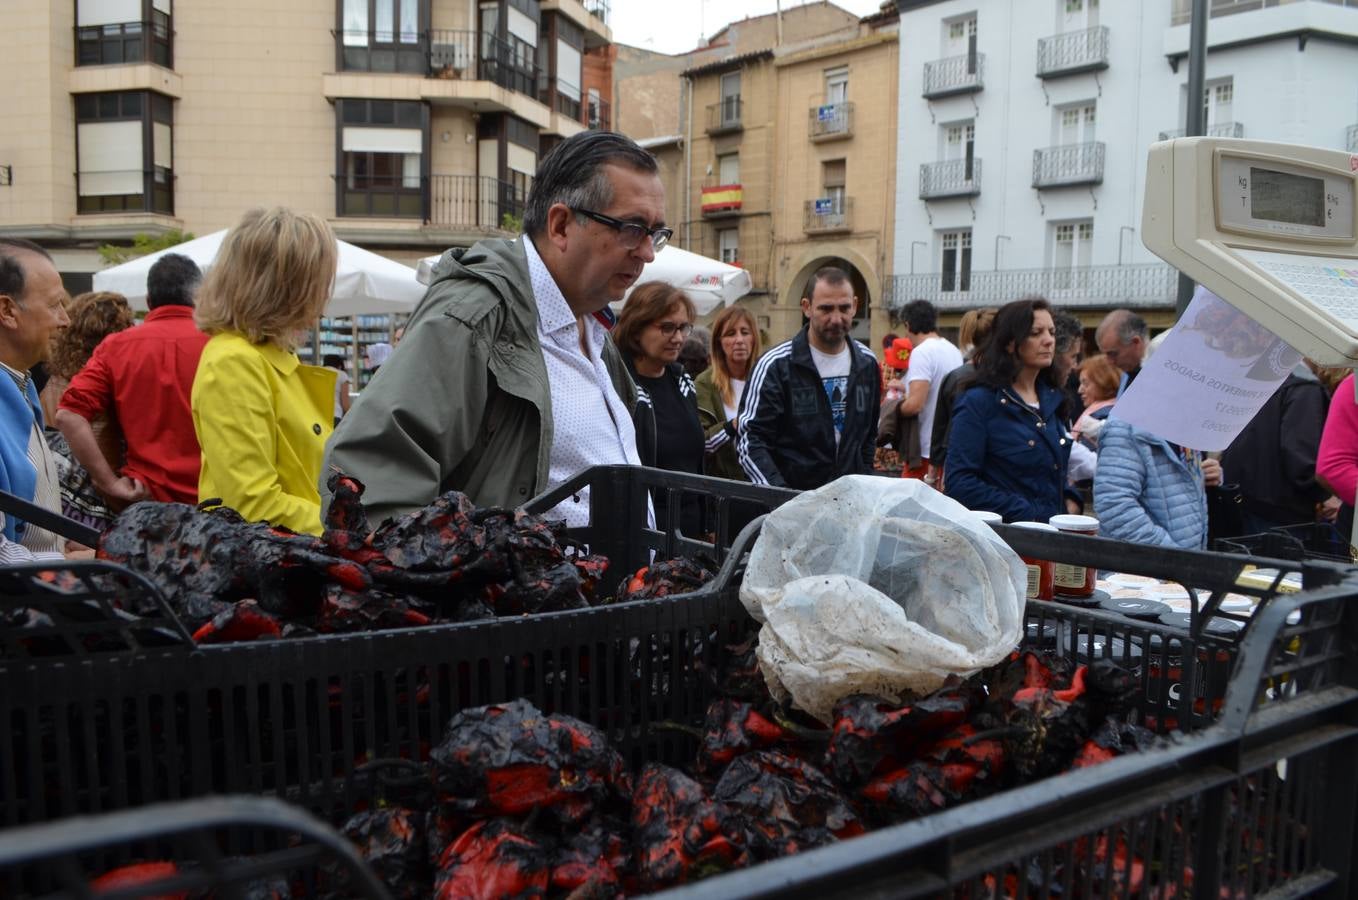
pixel 1149 491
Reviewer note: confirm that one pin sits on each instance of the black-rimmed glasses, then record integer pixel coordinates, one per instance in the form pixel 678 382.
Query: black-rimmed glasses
pixel 669 328
pixel 630 233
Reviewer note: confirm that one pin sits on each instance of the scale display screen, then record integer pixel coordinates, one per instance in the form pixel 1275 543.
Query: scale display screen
pixel 1284 197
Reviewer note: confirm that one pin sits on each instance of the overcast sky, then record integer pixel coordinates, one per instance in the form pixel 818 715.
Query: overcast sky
pixel 678 25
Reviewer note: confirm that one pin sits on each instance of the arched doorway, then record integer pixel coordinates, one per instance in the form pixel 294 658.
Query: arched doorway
pixel 862 276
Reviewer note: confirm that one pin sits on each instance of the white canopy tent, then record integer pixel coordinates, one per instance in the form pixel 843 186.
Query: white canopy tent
pixel 365 283
pixel 709 284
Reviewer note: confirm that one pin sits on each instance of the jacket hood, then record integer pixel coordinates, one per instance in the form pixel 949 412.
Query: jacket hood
pixel 490 261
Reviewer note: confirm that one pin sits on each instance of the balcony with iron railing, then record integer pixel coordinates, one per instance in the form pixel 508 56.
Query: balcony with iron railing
pixel 1351 138
pixel 600 118
pixel 473 202
pixel 1136 286
pixel 598 9
pixel 828 215
pixel 1223 129
pixel 454 202
pixel 1181 12
pixel 1068 165
pixel 561 96
pixel 725 116
pixel 963 74
pixel 126 42
pixel 950 178
pixel 831 121
pixel 442 53
pixel 1073 52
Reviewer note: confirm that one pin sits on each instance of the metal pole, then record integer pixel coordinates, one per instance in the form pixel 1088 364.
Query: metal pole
pixel 1193 125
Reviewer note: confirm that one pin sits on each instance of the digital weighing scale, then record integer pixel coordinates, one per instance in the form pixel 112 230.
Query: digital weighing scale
pixel 1270 228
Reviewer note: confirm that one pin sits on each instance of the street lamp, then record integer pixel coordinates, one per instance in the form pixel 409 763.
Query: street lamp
pixel 913 245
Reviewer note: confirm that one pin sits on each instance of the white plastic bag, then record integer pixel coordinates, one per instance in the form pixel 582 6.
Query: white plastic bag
pixel 882 586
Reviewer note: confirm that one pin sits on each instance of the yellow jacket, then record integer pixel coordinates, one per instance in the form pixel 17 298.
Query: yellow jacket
pixel 262 420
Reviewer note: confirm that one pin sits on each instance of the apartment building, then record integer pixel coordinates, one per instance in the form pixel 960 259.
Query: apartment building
pixel 788 157
pixel 411 125
pixel 834 169
pixel 1024 126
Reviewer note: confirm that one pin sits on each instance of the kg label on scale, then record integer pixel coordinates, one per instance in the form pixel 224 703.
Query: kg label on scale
pixel 1208 378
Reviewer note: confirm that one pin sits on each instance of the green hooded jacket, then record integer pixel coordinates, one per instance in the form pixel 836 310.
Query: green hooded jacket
pixel 464 403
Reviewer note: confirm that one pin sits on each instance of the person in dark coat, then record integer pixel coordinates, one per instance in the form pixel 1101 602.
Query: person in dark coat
pixel 1273 461
pixel 1010 444
pixel 809 414
pixel 656 320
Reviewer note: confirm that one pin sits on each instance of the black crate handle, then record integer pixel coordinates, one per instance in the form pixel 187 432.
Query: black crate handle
pixel 45 518
pixel 58 843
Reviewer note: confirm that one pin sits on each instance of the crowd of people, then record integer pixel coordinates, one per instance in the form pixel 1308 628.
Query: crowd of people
pixel 514 374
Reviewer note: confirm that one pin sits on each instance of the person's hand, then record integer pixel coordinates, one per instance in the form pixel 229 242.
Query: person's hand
pixel 1211 473
pixel 895 384
pixel 74 550
pixel 124 492
pixel 1328 511
pixel 1073 507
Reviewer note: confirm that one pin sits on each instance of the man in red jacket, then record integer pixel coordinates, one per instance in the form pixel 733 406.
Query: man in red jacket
pixel 142 378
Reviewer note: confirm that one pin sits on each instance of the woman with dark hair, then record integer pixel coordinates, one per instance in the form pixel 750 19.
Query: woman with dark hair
pixel 655 321
pixel 1009 445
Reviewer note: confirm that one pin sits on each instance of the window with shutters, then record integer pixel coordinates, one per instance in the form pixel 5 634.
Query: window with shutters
pixel 124 31
pixel 1072 245
pixel 956 260
pixel 1075 124
pixel 834 176
pixel 124 152
pixel 959 35
pixel 728 245
pixel 382 166
pixel 728 168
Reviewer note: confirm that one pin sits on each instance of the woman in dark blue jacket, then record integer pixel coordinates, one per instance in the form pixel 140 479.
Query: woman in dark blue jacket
pixel 1009 444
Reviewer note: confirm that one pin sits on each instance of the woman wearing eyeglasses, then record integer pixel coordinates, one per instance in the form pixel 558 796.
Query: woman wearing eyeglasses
pixel 650 333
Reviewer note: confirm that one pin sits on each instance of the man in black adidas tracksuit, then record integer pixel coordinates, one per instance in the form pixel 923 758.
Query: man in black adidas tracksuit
pixel 809 412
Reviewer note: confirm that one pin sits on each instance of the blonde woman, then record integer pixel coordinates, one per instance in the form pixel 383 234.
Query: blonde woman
pixel 262 417
pixel 735 350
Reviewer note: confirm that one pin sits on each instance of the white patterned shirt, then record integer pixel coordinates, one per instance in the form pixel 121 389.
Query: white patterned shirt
pixel 591 426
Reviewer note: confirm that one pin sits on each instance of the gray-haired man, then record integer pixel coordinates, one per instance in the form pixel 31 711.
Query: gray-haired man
pixel 506 383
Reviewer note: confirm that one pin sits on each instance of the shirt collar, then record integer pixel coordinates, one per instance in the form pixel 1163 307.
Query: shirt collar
pixel 554 313
pixel 172 311
pixel 20 378
pixel 285 361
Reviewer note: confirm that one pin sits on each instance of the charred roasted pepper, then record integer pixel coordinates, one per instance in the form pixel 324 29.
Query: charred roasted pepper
pixel 493 860
pixel 790 805
pixel 507 759
pixel 681 835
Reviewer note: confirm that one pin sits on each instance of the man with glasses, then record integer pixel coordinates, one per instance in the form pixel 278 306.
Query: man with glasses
pixel 505 383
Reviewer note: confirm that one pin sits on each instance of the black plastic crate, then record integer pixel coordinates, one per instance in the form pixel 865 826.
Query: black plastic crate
pixel 1259 804
pixel 301 719
pixel 236 847
pixel 1312 540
